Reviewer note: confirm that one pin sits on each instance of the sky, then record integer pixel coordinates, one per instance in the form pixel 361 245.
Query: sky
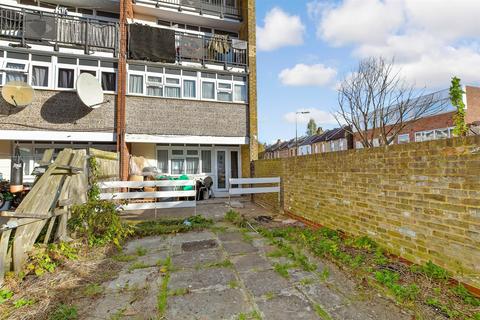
pixel 306 47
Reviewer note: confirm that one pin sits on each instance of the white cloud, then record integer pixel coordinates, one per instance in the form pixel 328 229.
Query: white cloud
pixel 430 40
pixel 322 118
pixel 307 75
pixel 358 21
pixel 280 30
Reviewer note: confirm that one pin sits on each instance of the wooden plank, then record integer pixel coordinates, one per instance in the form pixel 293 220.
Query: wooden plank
pixel 25 237
pixel 49 230
pixel 61 232
pixel 140 195
pixel 141 184
pixel 254 180
pixel 159 205
pixel 239 191
pixel 103 154
pixel 4 261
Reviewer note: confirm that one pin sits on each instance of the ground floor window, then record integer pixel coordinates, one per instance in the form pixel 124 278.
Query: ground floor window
pixel 436 134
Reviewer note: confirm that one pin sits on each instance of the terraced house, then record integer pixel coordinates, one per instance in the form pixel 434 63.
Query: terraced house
pixel 179 78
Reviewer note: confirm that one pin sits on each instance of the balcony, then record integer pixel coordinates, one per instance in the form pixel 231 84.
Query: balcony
pixel 58 29
pixel 222 8
pixel 211 49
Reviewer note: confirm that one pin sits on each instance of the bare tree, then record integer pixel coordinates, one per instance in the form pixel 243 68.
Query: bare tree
pixel 376 102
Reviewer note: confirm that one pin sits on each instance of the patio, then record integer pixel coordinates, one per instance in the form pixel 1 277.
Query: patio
pixel 227 273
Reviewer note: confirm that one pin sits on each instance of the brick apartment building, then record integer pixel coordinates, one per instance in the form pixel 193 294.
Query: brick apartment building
pixel 439 125
pixel 179 79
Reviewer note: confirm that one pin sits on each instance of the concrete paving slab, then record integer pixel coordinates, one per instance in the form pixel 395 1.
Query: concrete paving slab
pixel 281 307
pixel 209 305
pixel 107 307
pixel 262 282
pixel 249 262
pixel 231 236
pixel 192 236
pixel 149 243
pixel 152 259
pixel 136 279
pixel 205 279
pixel 197 259
pixel 237 247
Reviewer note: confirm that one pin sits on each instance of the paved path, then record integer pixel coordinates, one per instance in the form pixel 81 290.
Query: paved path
pixel 228 275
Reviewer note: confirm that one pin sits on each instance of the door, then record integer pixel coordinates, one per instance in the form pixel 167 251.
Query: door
pixel 221 170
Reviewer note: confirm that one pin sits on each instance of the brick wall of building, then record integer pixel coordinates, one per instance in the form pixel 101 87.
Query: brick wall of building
pixel 473 104
pixel 421 201
pixel 53 110
pixel 186 117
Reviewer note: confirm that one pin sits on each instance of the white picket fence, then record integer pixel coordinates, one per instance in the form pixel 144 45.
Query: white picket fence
pixel 254 190
pixel 175 197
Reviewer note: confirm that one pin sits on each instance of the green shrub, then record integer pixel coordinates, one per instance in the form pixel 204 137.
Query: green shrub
pixel 5 295
pixel 433 271
pixel 99 221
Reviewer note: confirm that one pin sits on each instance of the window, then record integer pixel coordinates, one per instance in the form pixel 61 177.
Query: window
pixel 135 84
pixel 108 81
pixel 15 72
pixel 177 152
pixel 441 133
pixel 240 93
pixel 208 90
pixel 154 86
pixel 162 161
pixel 92 72
pixel 178 166
pixel 433 134
pixel 192 165
pixel 224 91
pixel 403 138
pixel 189 89
pixel 66 78
pixel 39 76
pixel 172 88
pixel 206 161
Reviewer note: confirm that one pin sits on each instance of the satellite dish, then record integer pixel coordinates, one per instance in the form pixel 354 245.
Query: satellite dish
pixel 18 93
pixel 89 90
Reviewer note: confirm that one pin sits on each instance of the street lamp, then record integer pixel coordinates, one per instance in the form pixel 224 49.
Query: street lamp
pixel 296 129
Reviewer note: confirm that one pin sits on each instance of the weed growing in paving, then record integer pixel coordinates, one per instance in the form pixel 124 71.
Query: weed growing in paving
pixel 64 312
pixel 137 265
pixel 124 258
pixel 222 264
pixel 321 312
pixel 93 289
pixel 233 284
pixel 306 281
pixel 141 251
pixel 163 293
pixel 159 227
pixel 325 274
pixel 178 292
pixel 254 315
pixel 269 295
pixel 282 269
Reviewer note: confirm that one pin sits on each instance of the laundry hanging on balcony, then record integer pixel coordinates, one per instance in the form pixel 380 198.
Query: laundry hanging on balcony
pixel 219 44
pixel 151 44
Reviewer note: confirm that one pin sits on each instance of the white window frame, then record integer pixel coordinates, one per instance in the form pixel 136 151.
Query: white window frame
pixel 136 73
pixel 179 85
pixel 214 89
pixel 189 78
pixel 40 64
pixel 24 71
pixel 155 84
pixel 237 83
pixel 73 67
pixel 224 90
pixel 108 70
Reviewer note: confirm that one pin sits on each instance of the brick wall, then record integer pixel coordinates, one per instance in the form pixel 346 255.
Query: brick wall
pixel 473 104
pixel 53 110
pixel 186 117
pixel 420 200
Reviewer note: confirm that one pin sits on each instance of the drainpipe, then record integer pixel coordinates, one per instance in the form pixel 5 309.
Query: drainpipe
pixel 121 92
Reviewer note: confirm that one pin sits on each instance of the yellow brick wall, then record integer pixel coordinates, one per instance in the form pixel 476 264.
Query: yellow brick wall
pixel 421 201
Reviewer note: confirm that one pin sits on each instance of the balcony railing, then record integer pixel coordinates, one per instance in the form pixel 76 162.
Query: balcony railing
pixel 58 29
pixel 223 8
pixel 216 49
